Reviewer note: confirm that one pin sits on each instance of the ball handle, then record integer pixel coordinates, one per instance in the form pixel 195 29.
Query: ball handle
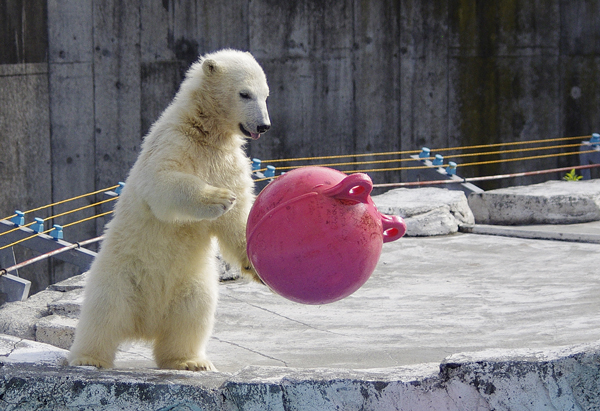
pixel 355 187
pixel 394 227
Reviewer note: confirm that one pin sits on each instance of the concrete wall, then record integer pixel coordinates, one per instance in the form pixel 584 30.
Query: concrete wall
pixel 560 379
pixel 81 81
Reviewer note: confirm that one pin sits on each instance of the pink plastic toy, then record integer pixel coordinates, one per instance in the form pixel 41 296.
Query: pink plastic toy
pixel 315 236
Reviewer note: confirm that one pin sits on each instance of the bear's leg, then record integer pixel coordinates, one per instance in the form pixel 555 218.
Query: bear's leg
pixel 181 340
pixel 103 325
pixel 230 231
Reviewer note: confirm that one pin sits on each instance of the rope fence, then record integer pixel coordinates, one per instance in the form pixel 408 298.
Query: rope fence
pixel 69 212
pixel 64 201
pixel 389 153
pixel 460 153
pixel 510 151
pixel 444 149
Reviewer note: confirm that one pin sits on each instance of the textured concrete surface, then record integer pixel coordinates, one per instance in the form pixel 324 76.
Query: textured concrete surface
pixel 428 298
pixel 552 202
pixel 565 378
pixel 454 322
pixel 440 325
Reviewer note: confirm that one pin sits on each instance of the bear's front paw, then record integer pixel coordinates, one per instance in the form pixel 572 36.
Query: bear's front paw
pixel 218 202
pixel 193 364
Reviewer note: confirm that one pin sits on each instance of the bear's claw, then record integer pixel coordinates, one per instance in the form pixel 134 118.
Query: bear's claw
pixel 195 364
pixel 89 361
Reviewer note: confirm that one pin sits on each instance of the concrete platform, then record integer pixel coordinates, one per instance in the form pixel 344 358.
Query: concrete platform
pixel 438 316
pixel 456 322
pixel 429 298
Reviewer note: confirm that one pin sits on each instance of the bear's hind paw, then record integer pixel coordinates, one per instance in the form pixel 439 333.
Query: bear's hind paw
pixel 89 361
pixel 194 364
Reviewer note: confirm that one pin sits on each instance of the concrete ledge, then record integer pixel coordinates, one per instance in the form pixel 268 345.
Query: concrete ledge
pixel 552 202
pixel 566 378
pixel 538 232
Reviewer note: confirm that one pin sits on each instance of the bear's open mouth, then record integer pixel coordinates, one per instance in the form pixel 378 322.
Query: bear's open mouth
pixel 254 136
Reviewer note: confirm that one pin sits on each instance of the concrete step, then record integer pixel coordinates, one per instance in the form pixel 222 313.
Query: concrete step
pixel 69 305
pixel 56 330
pixel 552 202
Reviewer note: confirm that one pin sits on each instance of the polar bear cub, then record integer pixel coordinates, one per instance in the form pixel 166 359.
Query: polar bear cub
pixel 155 276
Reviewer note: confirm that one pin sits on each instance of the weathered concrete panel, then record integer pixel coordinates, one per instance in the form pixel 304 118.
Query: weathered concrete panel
pixel 491 102
pixel 424 77
pixel 376 75
pixel 23 32
pixel 116 89
pixel 504 78
pixel 73 156
pixel 70 30
pixel 71 85
pixel 24 136
pixel 25 165
pixel 579 34
pixel 306 51
pixel 580 113
pixel 223 26
pixel 506 28
pixel 159 83
pixel 156 36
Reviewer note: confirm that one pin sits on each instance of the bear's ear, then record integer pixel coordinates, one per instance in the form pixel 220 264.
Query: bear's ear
pixel 210 67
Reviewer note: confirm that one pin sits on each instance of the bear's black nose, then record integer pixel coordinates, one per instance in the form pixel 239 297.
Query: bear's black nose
pixel 263 128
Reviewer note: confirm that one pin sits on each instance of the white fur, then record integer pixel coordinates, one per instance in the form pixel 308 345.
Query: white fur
pixel 154 277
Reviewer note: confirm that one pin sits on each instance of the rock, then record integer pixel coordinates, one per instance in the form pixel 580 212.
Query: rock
pixel 226 271
pixel 19 318
pixel 69 304
pixel 73 283
pixel 19 350
pixel 427 211
pixel 56 330
pixel 552 202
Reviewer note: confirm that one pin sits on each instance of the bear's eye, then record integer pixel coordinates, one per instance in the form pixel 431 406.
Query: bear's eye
pixel 245 95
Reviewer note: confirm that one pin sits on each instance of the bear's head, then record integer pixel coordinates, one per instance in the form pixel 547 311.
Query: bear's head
pixel 233 89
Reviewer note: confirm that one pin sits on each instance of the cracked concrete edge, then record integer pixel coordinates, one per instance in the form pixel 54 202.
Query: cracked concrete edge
pixel 529 234
pixel 564 378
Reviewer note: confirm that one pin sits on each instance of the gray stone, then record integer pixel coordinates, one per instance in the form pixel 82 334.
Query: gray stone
pixel 427 211
pixel 69 305
pixel 226 271
pixel 19 350
pixel 566 378
pixel 552 202
pixel 56 330
pixel 19 318
pixel 73 283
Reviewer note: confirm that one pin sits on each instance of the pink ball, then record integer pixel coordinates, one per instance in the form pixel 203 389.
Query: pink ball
pixel 314 234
